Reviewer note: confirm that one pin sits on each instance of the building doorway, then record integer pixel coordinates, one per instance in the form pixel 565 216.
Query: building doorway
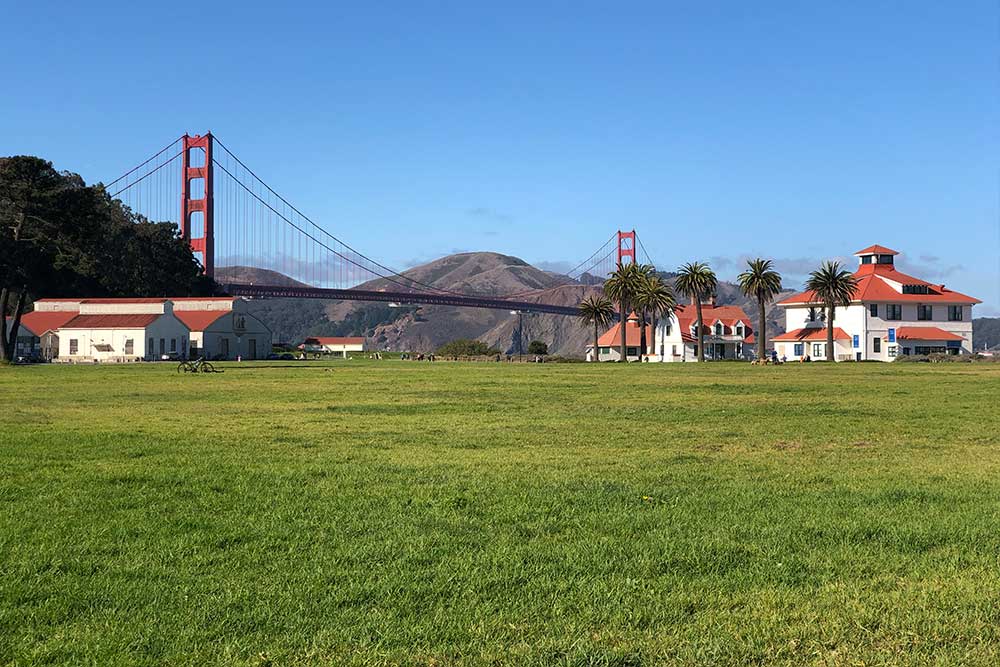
pixel 253 348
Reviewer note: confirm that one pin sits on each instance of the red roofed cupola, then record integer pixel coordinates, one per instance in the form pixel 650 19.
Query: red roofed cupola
pixel 876 254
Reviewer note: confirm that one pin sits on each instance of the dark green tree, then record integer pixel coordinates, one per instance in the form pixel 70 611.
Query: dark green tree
pixel 538 347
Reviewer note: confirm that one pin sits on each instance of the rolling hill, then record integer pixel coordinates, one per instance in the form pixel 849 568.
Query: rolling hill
pixel 424 328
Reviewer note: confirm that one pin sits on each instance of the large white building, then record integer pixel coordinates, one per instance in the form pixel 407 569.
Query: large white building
pixel 133 329
pixel 892 315
pixel 112 330
pixel 727 335
pixel 221 328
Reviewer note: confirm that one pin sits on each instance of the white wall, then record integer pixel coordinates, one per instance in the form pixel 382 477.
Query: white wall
pixel 238 330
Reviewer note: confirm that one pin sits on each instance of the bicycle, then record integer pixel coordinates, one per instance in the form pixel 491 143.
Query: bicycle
pixel 199 365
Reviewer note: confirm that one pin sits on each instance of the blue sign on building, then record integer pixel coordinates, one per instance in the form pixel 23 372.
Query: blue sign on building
pixel 892 335
pixel 857 341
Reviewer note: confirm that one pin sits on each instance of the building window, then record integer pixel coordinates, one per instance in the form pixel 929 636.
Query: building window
pixel 629 351
pixel 150 351
pixel 129 346
pixel 866 259
pixel 877 345
pixel 873 309
pixel 673 350
pixel 893 311
pixel 74 346
pixel 954 313
pixel 915 289
pixel 605 350
pixel 173 344
pixel 718 329
pixel 885 259
pixel 891 351
pixel 799 349
pixel 818 349
pixel 925 312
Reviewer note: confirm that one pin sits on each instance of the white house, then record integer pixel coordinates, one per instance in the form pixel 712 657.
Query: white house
pixel 338 346
pixel 892 314
pixel 727 334
pixel 114 330
pixel 222 329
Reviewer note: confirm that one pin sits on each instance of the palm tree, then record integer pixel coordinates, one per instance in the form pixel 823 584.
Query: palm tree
pixel 762 282
pixel 599 311
pixel 834 286
pixel 621 287
pixel 657 299
pixel 698 281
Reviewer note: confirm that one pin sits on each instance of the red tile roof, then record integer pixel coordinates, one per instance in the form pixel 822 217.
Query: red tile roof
pixel 335 340
pixel 633 336
pixel 38 322
pixel 728 315
pixel 876 250
pixel 140 321
pixel 925 333
pixel 199 320
pixel 872 287
pixel 812 333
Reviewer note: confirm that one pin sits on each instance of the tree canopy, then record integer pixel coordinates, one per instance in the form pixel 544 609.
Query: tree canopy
pixel 62 238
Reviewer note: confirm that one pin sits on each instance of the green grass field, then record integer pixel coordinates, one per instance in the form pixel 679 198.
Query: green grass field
pixel 402 513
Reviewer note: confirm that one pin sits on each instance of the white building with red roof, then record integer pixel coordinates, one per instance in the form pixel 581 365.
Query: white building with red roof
pixel 892 315
pixel 112 330
pixel 727 335
pixel 726 332
pixel 609 344
pixel 337 346
pixel 132 329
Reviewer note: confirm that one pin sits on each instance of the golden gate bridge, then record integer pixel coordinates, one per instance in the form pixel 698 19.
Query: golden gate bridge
pixel 234 221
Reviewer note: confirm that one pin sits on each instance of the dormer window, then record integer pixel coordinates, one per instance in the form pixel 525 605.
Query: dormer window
pixel 915 289
pixel 739 330
pixel 718 328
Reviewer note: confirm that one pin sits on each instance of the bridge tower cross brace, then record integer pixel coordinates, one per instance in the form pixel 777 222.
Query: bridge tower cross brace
pixel 626 247
pixel 205 205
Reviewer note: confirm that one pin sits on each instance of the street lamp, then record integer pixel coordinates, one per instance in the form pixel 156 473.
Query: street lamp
pixel 520 331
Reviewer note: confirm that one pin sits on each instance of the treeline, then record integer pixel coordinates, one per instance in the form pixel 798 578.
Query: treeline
pixel 62 238
pixel 986 331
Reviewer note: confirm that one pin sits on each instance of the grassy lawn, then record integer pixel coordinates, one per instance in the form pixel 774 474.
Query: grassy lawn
pixel 402 513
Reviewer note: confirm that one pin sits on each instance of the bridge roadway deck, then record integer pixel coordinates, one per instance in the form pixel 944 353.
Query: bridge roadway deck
pixel 409 298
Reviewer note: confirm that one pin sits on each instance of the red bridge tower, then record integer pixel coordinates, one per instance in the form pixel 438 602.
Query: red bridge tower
pixel 202 209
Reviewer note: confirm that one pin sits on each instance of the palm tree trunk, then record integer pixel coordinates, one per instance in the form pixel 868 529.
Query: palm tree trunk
pixel 642 336
pixel 623 320
pixel 652 343
pixel 597 350
pixel 701 333
pixel 761 340
pixel 832 309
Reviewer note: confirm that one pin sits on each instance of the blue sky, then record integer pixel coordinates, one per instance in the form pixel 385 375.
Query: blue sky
pixel 798 131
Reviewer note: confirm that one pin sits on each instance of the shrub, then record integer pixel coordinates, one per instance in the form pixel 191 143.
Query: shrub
pixel 538 347
pixel 466 347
